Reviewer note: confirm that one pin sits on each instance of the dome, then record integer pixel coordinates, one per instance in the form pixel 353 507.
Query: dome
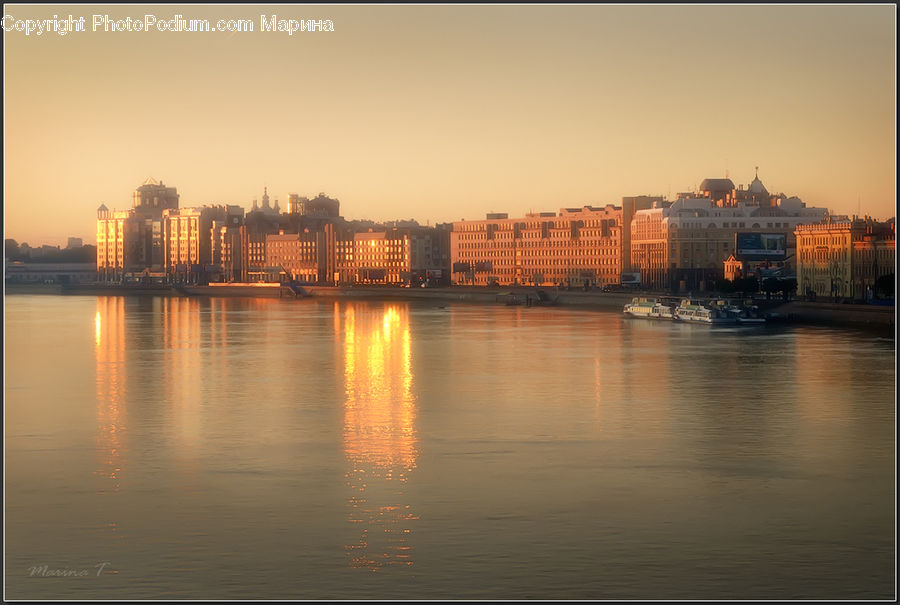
pixel 717 185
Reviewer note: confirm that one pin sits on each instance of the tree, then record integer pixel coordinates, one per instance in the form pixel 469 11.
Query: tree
pixel 748 285
pixel 11 249
pixel 885 284
pixel 770 285
pixel 788 287
pixel 724 286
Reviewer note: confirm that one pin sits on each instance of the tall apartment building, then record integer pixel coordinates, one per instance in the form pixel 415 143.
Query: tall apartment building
pixel 189 236
pixel 225 244
pixel 575 247
pixel 117 244
pixel 844 258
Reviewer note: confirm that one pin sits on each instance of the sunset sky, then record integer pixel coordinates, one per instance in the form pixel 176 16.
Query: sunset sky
pixel 446 112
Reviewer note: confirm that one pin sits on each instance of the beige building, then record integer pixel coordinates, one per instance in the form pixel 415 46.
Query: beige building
pixel 132 241
pixel 396 256
pixel 844 258
pixel 296 255
pixel 189 240
pixel 117 243
pixel 575 247
pixel 685 245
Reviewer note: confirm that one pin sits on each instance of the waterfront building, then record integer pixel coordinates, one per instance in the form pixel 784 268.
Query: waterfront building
pixel 257 226
pixel 575 247
pixel 630 205
pixel 74 242
pixel 117 244
pixel 685 245
pixel 844 257
pixel 188 236
pixel 225 245
pixel 132 242
pixel 408 256
pixel 297 256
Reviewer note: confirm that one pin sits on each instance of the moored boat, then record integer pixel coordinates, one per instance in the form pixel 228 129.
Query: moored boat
pixel 693 312
pixel 648 308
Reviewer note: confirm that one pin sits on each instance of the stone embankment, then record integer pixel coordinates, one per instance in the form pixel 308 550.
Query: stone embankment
pixel 874 316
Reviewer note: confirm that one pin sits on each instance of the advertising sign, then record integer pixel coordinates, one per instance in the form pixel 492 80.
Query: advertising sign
pixel 760 246
pixel 630 279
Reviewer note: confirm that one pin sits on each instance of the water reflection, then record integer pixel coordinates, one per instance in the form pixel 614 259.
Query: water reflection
pixel 379 432
pixel 182 370
pixel 110 354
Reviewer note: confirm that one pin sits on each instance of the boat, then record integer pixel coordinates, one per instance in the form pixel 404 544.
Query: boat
pixel 745 315
pixel 696 312
pixel 648 308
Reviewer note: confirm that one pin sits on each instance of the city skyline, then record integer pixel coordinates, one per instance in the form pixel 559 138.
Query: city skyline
pixel 440 113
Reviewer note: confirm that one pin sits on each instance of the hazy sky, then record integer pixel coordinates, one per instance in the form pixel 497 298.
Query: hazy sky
pixel 445 112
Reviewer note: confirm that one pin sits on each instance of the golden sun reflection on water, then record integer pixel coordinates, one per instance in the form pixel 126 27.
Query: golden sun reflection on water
pixel 379 432
pixel 109 347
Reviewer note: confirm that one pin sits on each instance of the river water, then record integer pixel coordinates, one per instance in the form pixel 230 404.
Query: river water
pixel 252 448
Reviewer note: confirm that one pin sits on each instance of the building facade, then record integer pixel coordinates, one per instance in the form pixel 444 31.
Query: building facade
pixel 132 242
pixel 117 244
pixel 575 247
pixel 297 255
pixel 685 245
pixel 844 258
pixel 189 236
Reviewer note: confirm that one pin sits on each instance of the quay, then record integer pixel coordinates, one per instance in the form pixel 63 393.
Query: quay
pixel 821 313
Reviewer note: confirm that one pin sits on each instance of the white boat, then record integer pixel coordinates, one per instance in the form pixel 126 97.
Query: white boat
pixel 648 308
pixel 691 312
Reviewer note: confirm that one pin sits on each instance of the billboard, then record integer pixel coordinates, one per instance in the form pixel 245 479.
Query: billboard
pixel 630 279
pixel 760 246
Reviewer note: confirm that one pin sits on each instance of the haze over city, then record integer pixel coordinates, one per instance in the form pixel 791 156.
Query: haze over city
pixel 446 112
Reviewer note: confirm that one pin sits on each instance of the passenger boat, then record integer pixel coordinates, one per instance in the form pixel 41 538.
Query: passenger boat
pixel 691 312
pixel 648 308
